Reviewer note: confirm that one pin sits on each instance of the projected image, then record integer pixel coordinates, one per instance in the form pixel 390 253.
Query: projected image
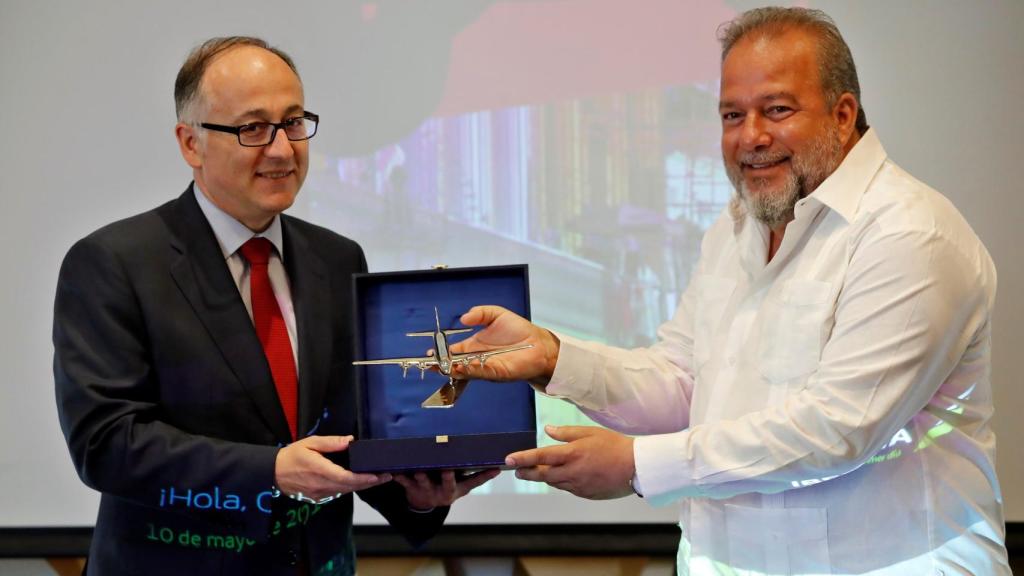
pixel 590 153
pixel 605 198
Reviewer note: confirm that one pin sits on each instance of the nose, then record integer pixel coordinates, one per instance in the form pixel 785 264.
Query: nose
pixel 754 134
pixel 279 147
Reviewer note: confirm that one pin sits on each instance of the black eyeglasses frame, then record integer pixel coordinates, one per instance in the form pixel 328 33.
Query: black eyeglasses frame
pixel 237 130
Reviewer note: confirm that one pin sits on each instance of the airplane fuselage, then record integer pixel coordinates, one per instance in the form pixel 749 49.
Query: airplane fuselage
pixel 444 358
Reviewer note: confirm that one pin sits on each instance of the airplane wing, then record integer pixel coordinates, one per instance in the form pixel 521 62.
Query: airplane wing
pixel 448 332
pixel 422 363
pixel 449 392
pixel 466 358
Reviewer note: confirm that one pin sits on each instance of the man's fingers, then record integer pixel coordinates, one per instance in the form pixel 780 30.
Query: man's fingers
pixel 478 315
pixel 317 468
pixel 569 433
pixel 302 468
pixel 364 480
pixel 334 480
pixel 358 481
pixel 543 473
pixel 551 456
pixel 534 474
pixel 324 444
pixel 477 480
pixel 448 483
pixel 423 481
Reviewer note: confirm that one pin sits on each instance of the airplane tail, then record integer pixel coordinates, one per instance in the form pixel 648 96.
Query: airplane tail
pixel 437 323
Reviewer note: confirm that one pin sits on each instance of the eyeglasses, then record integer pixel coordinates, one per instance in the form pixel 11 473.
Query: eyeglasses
pixel 257 134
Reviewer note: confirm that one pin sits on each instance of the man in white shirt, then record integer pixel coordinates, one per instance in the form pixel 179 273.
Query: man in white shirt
pixel 819 403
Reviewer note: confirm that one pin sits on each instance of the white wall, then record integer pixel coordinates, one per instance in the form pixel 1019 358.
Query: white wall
pixel 942 83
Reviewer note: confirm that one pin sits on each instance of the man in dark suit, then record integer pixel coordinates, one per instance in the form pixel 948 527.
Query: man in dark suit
pixel 203 353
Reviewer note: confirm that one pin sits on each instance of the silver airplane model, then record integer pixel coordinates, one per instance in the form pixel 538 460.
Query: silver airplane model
pixel 443 360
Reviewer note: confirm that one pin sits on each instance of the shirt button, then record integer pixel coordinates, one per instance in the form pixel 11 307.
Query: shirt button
pixel 732 360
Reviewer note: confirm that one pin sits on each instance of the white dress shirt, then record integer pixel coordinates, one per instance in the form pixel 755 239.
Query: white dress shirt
pixel 827 412
pixel 231 234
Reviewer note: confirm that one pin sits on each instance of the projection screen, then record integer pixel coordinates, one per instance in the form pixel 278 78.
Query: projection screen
pixel 577 136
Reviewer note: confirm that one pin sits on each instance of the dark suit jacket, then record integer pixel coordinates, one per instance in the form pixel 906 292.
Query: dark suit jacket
pixel 167 403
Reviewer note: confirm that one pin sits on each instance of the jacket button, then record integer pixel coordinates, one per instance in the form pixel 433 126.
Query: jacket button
pixel 293 558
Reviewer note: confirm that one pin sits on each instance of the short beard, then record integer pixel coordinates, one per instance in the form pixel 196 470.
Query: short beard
pixel 809 169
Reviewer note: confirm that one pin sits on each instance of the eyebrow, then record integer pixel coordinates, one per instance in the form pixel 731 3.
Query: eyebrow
pixel 262 113
pixel 779 96
pixel 770 97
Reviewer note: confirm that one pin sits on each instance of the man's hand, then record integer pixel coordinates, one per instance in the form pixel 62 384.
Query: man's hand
pixel 302 471
pixel 503 328
pixel 596 463
pixel 423 494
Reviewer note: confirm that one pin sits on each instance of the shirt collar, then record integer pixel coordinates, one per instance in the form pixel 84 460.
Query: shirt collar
pixel 231 233
pixel 843 189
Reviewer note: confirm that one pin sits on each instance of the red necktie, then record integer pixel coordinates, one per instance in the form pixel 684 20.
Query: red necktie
pixel 271 329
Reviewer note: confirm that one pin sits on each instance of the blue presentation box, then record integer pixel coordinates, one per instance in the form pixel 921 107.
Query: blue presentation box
pixel 396 434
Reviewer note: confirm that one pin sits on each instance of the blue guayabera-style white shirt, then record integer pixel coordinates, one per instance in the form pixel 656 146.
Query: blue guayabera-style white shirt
pixel 827 412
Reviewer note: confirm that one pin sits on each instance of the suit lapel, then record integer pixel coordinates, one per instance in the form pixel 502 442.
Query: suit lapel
pixel 311 300
pixel 203 277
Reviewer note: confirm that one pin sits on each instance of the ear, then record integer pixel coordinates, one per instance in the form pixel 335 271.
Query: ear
pixel 845 115
pixel 189 144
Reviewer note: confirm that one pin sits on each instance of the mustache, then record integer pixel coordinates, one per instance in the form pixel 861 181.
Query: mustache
pixel 767 157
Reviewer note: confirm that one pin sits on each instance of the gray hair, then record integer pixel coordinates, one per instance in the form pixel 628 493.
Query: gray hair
pixel 187 93
pixel 837 72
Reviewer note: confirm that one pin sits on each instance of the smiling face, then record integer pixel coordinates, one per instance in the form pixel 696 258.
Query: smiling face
pixel 780 139
pixel 242 85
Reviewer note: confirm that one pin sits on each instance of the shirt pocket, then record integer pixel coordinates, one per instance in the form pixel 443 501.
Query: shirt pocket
pixel 713 294
pixel 778 540
pixel 793 328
